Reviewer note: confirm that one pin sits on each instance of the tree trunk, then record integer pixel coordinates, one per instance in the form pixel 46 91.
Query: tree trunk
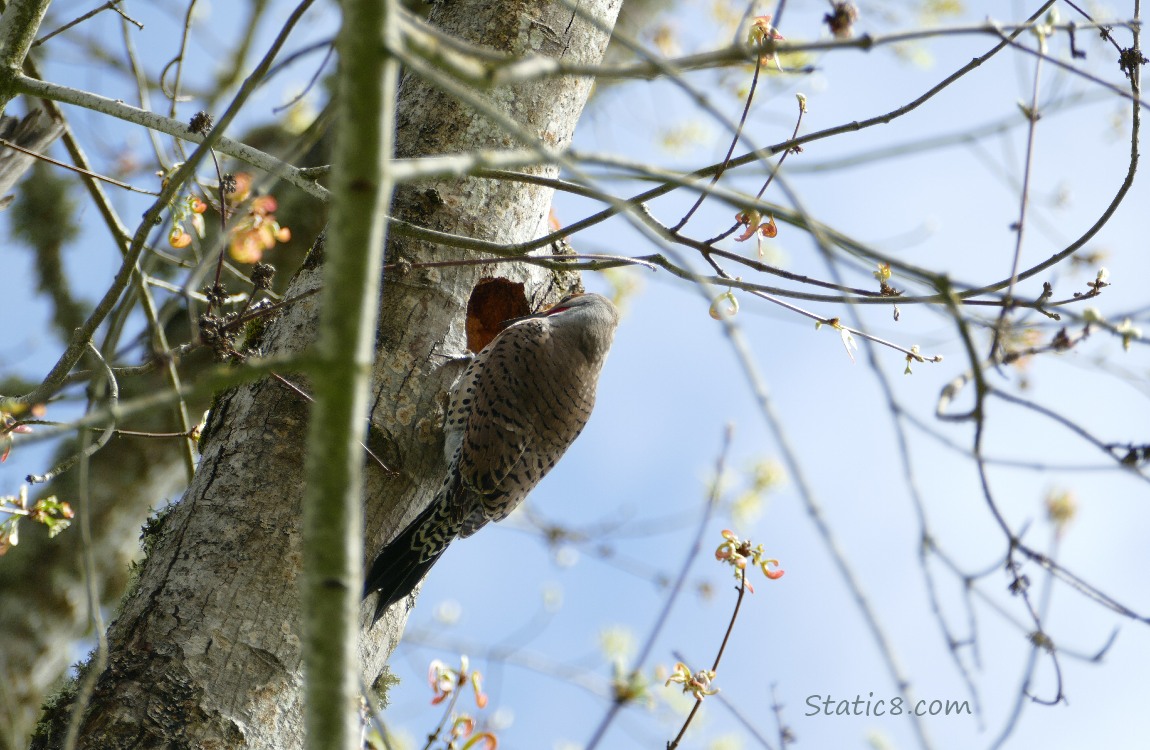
pixel 206 650
pixel 43 583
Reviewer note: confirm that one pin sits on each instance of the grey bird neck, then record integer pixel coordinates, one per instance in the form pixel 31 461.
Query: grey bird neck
pixel 590 319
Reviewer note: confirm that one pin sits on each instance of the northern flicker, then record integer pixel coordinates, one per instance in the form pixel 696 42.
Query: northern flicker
pixel 511 415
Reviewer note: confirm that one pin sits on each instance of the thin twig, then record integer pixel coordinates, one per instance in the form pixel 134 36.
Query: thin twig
pixel 110 5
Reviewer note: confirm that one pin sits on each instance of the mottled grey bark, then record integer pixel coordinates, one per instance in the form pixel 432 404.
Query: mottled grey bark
pixel 206 651
pixel 43 586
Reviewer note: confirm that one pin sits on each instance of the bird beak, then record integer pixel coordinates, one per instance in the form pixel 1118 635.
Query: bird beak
pixel 541 314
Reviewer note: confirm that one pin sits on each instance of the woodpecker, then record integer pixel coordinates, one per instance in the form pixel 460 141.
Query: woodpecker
pixel 511 415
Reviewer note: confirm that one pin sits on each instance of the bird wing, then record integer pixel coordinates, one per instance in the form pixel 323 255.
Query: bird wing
pixel 493 406
pixel 529 401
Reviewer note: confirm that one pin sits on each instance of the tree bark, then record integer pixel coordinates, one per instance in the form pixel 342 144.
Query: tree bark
pixel 43 583
pixel 206 651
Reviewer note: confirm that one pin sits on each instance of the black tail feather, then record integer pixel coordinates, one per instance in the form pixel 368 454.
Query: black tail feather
pixel 398 568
